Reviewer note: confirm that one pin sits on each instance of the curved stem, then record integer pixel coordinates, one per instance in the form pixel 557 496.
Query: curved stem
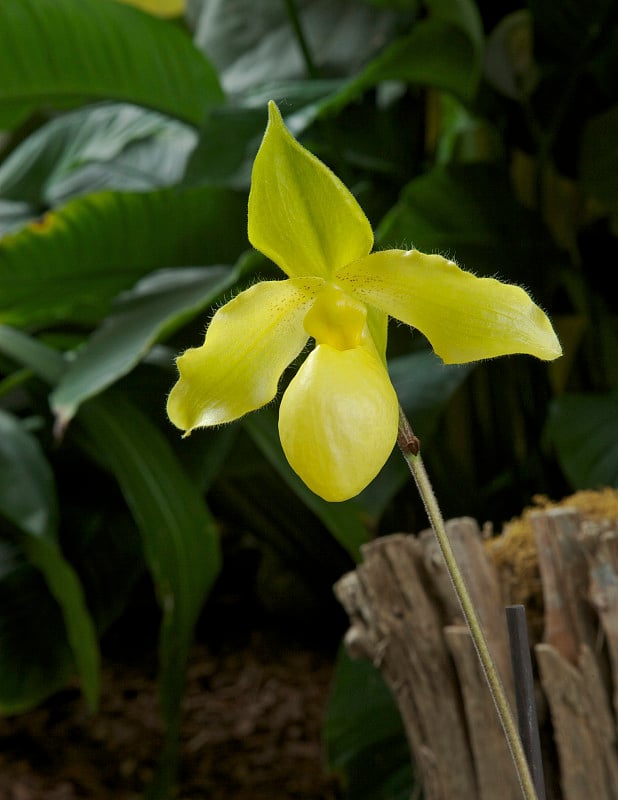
pixel 300 36
pixel 409 446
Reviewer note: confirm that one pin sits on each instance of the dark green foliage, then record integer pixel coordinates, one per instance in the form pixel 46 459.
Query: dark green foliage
pixel 476 130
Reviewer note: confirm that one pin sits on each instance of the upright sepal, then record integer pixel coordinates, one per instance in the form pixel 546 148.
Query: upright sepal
pixel 300 214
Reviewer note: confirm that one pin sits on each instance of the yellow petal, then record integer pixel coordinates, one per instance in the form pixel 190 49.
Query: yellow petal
pixel 338 420
pixel 300 214
pixel 249 343
pixel 464 317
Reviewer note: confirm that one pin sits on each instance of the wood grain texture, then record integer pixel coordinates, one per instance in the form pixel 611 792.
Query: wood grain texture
pixel 405 618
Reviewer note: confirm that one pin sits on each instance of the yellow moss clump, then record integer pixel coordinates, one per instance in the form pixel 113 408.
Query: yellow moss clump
pixel 160 8
pixel 514 550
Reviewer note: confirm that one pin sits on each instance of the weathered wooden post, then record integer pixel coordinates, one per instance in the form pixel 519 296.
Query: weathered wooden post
pixel 405 618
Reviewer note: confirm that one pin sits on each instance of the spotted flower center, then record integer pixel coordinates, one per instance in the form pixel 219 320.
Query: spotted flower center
pixel 336 318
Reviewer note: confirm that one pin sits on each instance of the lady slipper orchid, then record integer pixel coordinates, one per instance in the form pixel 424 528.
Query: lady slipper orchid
pixel 338 417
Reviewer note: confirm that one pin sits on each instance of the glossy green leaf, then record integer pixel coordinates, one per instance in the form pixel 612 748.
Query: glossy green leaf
pixel 27 490
pixel 13 215
pixel 35 659
pixel 583 430
pixel 107 146
pixel 45 363
pixel 66 588
pixel 227 145
pixel 71 51
pixel 364 736
pixel 70 265
pixel 179 537
pixel 436 53
pixel 28 501
pixel 253 47
pixel 343 520
pixel 230 137
pixel 158 303
pixel 468 213
pixel 463 14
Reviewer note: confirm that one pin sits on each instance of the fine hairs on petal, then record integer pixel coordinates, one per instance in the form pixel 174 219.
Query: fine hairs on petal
pixel 339 415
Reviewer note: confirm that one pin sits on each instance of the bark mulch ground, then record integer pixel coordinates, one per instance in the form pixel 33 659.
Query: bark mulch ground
pixel 251 731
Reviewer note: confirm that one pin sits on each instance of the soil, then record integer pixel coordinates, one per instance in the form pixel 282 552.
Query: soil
pixel 251 731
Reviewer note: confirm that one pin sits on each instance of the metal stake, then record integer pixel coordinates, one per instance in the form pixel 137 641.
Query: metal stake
pixel 524 694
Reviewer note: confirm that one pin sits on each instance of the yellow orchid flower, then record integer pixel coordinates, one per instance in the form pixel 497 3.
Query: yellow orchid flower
pixel 338 417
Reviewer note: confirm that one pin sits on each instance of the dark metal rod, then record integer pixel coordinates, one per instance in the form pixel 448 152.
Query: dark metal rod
pixel 524 694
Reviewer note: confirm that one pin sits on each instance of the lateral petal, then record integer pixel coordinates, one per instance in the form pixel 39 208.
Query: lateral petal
pixel 338 420
pixel 300 214
pixel 248 344
pixel 465 318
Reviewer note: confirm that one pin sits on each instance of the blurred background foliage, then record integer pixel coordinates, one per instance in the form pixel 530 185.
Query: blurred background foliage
pixel 486 131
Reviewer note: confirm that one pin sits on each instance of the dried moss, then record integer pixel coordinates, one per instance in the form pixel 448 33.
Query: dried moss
pixel 515 555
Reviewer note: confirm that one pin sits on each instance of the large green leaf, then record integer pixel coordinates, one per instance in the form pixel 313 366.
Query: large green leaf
pixel 43 361
pixel 254 42
pixel 27 490
pixel 67 590
pixel 66 51
pixel 463 14
pixel 35 659
pixel 13 215
pixel 364 735
pixel 28 501
pixel 231 136
pixel 179 537
pixel 157 304
pixel 107 146
pixel 468 212
pixel 70 265
pixel 584 430
pixel 227 146
pixel 435 53
pixel 443 50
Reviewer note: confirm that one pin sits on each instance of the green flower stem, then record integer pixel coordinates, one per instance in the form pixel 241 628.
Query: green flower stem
pixel 410 448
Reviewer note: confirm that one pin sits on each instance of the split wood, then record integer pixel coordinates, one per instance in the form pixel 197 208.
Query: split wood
pixel 405 618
